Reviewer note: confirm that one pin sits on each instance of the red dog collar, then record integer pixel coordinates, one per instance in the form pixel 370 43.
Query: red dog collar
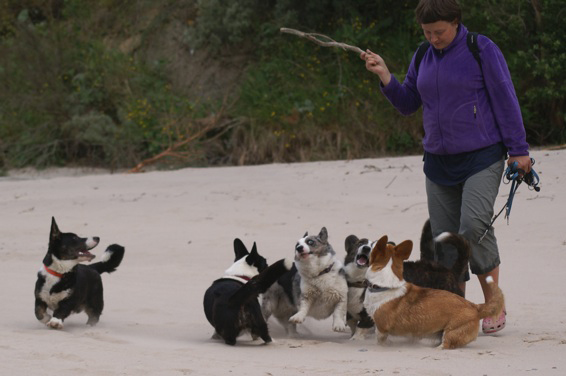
pixel 52 272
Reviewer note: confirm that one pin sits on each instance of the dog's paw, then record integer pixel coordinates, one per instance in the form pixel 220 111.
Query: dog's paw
pixel 297 318
pixel 382 338
pixel 45 319
pixel 339 327
pixel 55 323
pixel 92 320
pixel 358 335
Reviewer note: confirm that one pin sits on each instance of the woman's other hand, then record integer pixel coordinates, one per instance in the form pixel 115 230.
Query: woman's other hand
pixel 523 162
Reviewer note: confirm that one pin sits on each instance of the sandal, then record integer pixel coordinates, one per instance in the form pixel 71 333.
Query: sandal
pixel 490 326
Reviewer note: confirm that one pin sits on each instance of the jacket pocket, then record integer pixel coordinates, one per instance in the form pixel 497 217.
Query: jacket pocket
pixel 466 129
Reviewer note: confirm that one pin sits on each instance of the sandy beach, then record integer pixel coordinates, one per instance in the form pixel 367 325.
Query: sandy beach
pixel 178 228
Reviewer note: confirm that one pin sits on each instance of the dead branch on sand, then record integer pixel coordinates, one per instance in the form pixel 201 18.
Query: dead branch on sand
pixel 556 147
pixel 207 124
pixel 313 37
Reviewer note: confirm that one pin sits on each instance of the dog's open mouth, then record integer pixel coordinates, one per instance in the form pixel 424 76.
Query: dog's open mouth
pixel 362 260
pixel 86 255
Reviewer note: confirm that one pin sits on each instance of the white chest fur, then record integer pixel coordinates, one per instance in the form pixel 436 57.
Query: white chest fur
pixel 324 293
pixel 52 300
pixel 374 300
pixel 384 278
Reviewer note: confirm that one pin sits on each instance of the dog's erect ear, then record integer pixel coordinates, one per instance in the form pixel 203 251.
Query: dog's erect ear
pixel 253 257
pixel 382 243
pixel 240 249
pixel 306 234
pixel 55 233
pixel 254 250
pixel 378 249
pixel 404 249
pixel 350 243
pixel 323 235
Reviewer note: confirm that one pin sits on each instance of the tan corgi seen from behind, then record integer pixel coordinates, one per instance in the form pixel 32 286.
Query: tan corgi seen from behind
pixel 402 309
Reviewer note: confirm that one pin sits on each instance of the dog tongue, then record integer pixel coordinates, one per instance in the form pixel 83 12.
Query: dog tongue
pixel 362 261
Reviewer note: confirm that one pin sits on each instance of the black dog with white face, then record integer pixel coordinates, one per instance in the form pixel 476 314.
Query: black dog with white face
pixel 65 286
pixel 356 264
pixel 230 303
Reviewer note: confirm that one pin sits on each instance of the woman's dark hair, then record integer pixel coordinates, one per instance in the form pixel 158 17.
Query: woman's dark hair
pixel 430 11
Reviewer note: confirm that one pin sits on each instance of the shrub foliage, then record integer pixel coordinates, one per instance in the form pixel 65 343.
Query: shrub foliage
pixel 69 96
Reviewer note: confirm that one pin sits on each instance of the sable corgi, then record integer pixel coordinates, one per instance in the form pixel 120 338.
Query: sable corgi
pixel 230 303
pixel 423 272
pixel 428 273
pixel 404 309
pixel 315 287
pixel 64 285
pixel 356 264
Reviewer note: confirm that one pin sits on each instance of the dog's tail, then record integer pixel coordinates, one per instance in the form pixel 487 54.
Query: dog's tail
pixel 494 306
pixel 111 259
pixel 463 247
pixel 261 282
pixel 427 244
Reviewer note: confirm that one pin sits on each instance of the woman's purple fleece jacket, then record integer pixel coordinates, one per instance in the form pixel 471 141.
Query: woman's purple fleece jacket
pixel 462 110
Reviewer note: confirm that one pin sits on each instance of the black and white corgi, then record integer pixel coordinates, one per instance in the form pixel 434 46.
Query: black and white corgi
pixel 65 286
pixel 315 287
pixel 356 264
pixel 230 303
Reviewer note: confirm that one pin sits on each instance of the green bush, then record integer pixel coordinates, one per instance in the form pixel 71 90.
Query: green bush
pixel 69 96
pixel 533 39
pixel 70 99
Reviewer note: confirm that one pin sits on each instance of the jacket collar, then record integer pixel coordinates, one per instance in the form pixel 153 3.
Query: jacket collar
pixel 460 36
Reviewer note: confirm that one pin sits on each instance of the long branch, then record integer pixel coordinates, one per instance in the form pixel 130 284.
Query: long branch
pixel 313 37
pixel 172 149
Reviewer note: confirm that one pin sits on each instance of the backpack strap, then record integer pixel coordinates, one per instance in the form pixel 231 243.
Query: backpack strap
pixel 472 41
pixel 423 47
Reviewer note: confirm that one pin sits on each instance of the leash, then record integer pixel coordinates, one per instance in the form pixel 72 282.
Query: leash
pixel 515 176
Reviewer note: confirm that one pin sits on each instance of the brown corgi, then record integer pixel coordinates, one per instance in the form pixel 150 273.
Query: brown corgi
pixel 402 309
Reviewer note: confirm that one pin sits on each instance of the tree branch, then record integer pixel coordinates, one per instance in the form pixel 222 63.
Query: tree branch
pixel 313 37
pixel 207 124
pixel 171 151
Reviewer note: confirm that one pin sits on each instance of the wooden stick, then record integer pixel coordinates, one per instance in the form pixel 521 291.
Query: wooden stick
pixel 313 37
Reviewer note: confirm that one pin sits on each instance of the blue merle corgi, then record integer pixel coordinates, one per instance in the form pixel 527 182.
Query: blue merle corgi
pixel 315 287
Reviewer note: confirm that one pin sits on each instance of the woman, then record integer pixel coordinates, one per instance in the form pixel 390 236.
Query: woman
pixel 472 120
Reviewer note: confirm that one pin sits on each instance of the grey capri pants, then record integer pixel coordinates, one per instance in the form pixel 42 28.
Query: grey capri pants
pixel 467 209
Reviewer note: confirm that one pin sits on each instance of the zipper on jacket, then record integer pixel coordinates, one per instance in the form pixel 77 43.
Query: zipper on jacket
pixel 438 101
